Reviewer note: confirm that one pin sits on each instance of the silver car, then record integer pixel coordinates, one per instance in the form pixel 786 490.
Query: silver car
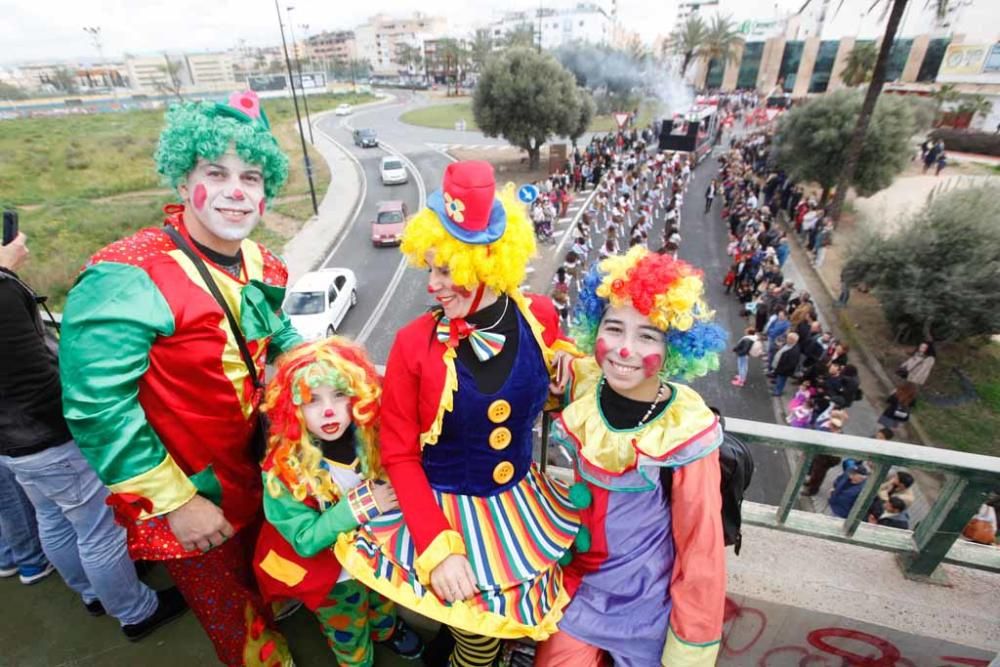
pixel 392 171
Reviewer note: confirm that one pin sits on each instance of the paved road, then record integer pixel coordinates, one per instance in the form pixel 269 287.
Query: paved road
pixel 390 296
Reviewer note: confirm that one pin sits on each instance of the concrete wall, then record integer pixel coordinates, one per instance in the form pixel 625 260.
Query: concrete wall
pixel 809 52
pixel 917 52
pixel 839 63
pixel 730 75
pixel 770 64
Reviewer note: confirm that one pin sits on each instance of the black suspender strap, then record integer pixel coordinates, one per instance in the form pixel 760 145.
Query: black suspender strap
pixel 213 287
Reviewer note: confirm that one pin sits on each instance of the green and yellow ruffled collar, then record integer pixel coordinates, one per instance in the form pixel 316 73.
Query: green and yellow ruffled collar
pixel 685 419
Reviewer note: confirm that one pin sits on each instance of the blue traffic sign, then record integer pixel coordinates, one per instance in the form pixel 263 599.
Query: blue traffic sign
pixel 527 193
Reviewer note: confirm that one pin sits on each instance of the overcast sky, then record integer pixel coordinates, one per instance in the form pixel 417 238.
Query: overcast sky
pixel 53 29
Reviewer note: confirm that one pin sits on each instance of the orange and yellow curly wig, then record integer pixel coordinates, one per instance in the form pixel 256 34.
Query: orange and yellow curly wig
pixel 335 362
pixel 499 265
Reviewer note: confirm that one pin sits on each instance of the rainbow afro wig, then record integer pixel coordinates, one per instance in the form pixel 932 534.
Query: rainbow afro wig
pixel 499 265
pixel 208 129
pixel 333 362
pixel 667 291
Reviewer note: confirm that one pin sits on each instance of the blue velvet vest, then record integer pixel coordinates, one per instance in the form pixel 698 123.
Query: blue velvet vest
pixel 485 446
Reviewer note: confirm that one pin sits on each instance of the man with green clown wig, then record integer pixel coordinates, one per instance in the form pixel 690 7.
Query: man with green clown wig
pixel 165 338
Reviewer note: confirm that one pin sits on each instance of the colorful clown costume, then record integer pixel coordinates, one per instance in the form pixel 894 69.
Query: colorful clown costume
pixel 481 495
pixel 651 588
pixel 294 560
pixel 161 403
pixel 653 571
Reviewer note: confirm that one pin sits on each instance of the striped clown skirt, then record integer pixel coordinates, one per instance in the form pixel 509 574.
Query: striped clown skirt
pixel 513 541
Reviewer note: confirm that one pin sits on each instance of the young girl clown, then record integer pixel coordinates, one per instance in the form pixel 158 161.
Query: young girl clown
pixel 482 530
pixel 320 480
pixel 651 588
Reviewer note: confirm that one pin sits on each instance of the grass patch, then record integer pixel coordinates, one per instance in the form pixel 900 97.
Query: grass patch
pixel 300 208
pixel 971 427
pixel 58 170
pixel 444 117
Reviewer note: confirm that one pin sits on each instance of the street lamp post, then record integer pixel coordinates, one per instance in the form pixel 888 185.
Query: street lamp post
pixel 302 85
pixel 95 34
pixel 298 118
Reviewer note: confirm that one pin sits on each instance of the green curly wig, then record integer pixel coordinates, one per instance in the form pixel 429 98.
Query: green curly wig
pixel 207 130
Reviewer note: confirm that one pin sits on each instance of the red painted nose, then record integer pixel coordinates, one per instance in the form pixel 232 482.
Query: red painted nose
pixel 238 194
pixel 623 353
pixel 328 413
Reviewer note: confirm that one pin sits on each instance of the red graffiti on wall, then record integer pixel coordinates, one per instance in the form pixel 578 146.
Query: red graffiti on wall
pixel 849 647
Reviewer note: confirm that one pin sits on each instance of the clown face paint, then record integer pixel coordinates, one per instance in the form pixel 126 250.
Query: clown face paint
pixel 328 414
pixel 630 352
pixel 456 300
pixel 225 198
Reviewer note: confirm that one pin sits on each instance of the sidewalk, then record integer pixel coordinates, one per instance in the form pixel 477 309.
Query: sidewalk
pixel 308 249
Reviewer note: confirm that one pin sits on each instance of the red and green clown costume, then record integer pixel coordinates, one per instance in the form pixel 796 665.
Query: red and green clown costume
pixel 311 499
pixel 156 392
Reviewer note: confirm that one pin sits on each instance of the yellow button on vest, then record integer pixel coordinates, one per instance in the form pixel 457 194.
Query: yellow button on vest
pixel 499 411
pixel 504 472
pixel 500 438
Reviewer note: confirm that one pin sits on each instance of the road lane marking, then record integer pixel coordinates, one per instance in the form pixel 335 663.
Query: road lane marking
pixel 390 289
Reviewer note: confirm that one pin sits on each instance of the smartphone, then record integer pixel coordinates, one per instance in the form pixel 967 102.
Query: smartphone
pixel 9 225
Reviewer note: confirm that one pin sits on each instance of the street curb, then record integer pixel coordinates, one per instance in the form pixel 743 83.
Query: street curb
pixel 871 362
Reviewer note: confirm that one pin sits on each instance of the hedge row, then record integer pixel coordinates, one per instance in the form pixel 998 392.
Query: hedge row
pixel 966 141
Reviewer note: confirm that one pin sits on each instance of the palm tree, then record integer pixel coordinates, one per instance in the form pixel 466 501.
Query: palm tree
pixel 871 97
pixel 975 105
pixel 688 39
pixel 946 94
pixel 860 64
pixel 481 49
pixel 720 42
pixel 455 57
pixel 410 57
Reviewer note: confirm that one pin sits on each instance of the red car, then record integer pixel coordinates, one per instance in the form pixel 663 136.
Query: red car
pixel 390 219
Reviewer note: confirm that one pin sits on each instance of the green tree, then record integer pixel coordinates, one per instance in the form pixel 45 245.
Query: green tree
pixel 522 35
pixel 854 149
pixel 688 40
pixel 976 105
pixel 455 58
pixel 526 97
pixel 860 64
pixel 409 56
pixel 946 94
pixel 169 82
pixel 811 141
pixel 9 92
pixel 63 79
pixel 481 49
pixel 937 275
pixel 720 41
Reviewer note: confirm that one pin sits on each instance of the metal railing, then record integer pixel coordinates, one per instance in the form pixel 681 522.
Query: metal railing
pixel 969 478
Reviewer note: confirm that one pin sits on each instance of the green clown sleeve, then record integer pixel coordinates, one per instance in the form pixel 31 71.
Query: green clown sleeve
pixel 113 315
pixel 307 530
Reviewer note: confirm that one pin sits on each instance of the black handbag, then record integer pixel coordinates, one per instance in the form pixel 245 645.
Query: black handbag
pixel 258 441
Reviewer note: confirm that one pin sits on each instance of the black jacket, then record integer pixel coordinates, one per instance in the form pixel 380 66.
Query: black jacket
pixel 31 418
pixel 787 362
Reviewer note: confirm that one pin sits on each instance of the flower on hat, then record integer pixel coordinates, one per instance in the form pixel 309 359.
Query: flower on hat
pixel 454 207
pixel 247 102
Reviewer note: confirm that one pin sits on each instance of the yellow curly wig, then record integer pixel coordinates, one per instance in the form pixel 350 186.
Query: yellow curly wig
pixel 500 265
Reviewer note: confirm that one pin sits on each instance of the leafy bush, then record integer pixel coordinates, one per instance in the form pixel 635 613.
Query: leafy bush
pixel 968 141
pixel 937 275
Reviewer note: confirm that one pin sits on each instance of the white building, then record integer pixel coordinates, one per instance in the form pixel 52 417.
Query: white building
pixel 586 22
pixel 211 70
pixel 378 40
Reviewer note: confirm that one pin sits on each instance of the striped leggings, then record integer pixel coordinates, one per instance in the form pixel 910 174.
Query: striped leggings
pixel 473 650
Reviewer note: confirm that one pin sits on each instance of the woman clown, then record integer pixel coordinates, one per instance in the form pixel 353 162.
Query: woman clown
pixel 651 588
pixel 482 530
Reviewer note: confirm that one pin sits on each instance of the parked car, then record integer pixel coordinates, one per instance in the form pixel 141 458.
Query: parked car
pixel 343 110
pixel 319 301
pixel 365 138
pixel 389 222
pixel 392 171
